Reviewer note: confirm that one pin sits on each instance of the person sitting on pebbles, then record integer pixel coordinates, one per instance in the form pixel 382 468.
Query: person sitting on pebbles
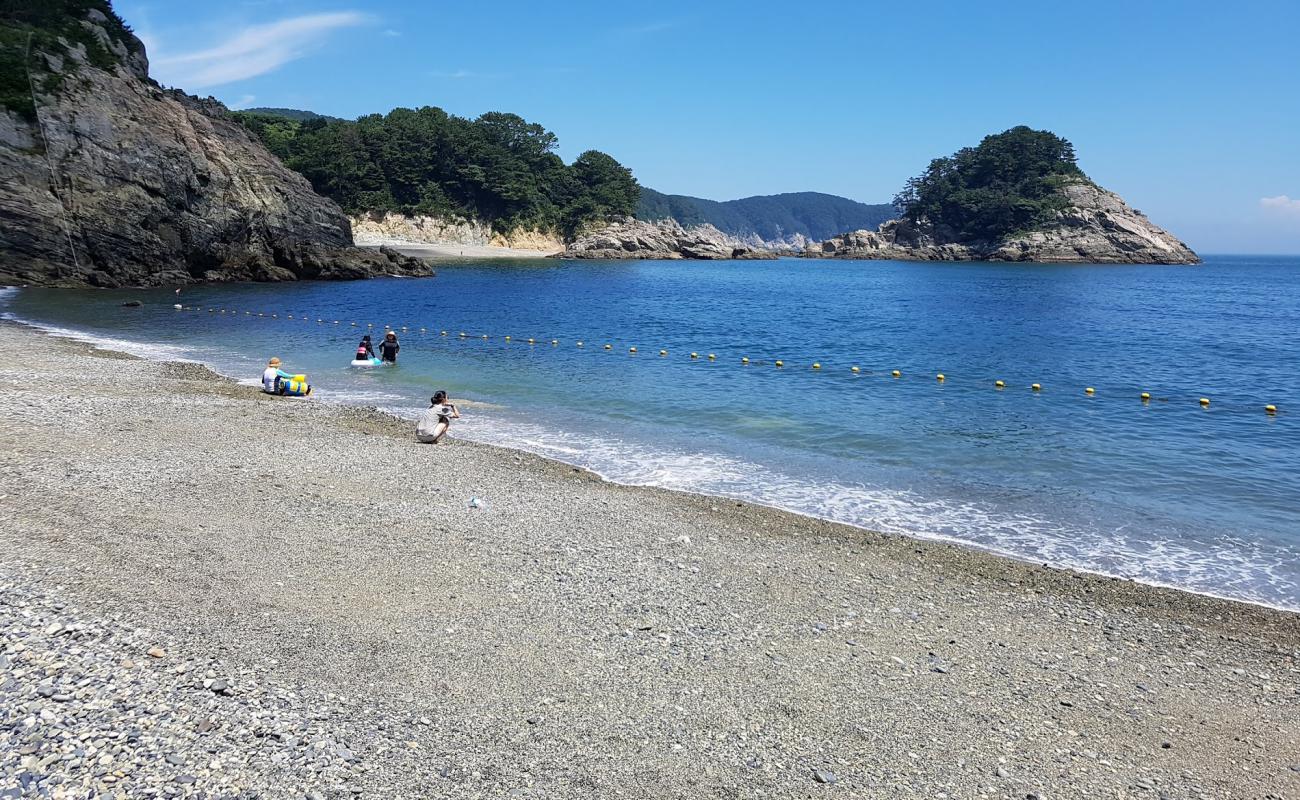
pixel 436 419
pixel 273 375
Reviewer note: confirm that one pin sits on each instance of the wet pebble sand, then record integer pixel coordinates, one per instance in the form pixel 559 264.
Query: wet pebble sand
pixel 209 592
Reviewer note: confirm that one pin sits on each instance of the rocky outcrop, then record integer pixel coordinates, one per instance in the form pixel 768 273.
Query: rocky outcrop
pixel 390 228
pixel 663 239
pixel 1097 228
pixel 118 182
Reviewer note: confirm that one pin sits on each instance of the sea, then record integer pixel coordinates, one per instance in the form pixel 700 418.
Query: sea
pixel 540 357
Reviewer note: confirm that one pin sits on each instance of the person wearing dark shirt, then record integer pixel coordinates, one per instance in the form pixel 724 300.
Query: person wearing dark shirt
pixel 365 350
pixel 388 348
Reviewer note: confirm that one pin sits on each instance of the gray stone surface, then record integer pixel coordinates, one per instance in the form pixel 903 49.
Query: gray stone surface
pixel 382 638
pixel 152 187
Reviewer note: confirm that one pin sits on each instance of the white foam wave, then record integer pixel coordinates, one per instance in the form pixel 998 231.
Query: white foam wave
pixel 1230 568
pixel 153 351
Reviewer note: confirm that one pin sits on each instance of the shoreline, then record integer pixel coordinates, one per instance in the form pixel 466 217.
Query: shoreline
pixel 109 345
pixel 579 638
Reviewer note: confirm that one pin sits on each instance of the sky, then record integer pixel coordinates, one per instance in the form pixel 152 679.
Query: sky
pixel 1190 110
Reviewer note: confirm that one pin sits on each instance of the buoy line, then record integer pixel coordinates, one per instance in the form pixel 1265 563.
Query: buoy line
pixel 1145 398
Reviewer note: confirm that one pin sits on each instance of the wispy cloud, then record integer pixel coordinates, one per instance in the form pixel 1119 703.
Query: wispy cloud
pixel 392 33
pixel 458 74
pixel 255 50
pixel 647 28
pixel 1281 204
pixel 243 102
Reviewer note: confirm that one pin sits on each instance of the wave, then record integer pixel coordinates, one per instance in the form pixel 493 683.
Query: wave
pixel 1229 568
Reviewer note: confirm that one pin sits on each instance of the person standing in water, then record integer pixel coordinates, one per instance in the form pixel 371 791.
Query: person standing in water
pixel 388 348
pixel 437 419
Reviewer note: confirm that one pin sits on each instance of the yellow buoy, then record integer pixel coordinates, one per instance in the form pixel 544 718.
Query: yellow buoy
pixel 855 368
pixel 695 355
pixel 1146 396
pixel 609 347
pixel 1089 390
pixel 554 342
pixel 1036 387
pixel 507 338
pixel 631 349
pixel 712 357
pixel 1205 401
pixel 816 365
pixel 939 377
pixel 744 359
pixel 1270 409
pixel 896 374
pixel 463 335
pixel 780 363
pixel 999 384
pixel 532 341
pixel 663 352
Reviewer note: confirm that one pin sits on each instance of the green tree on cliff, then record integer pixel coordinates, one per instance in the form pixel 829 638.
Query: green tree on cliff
pixel 498 167
pixel 1009 183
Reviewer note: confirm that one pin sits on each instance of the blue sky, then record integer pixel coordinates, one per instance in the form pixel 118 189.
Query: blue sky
pixel 1190 110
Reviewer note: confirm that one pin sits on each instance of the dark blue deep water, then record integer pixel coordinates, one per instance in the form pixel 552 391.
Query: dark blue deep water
pixel 1166 491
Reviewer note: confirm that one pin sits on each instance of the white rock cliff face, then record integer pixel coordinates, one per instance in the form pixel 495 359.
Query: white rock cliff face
pixel 663 239
pixel 390 228
pixel 1098 228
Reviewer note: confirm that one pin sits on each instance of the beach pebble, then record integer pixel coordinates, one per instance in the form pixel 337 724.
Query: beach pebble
pixel 824 776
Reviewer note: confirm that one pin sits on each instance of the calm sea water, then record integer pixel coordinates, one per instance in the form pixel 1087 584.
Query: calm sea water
pixel 1167 492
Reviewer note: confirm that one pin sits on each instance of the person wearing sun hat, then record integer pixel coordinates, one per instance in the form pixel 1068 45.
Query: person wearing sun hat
pixel 272 376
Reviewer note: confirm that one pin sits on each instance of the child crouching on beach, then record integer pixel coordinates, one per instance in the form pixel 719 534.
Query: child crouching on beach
pixel 437 418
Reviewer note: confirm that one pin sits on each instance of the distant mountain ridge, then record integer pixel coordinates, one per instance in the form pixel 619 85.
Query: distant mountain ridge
pixel 793 219
pixel 289 113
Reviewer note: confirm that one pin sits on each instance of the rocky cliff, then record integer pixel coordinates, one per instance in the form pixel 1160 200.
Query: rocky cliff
pixel 390 228
pixel 1096 228
pixel 111 181
pixel 664 239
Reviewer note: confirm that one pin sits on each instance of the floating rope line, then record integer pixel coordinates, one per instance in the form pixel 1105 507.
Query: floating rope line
pixel 854 370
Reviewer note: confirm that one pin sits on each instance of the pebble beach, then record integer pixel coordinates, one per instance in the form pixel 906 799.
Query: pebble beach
pixel 210 592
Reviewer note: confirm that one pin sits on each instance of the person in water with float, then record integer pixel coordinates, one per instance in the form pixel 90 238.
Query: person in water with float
pixel 277 381
pixel 365 356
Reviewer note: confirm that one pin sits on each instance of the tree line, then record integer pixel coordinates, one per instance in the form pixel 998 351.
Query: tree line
pixel 1011 182
pixel 497 167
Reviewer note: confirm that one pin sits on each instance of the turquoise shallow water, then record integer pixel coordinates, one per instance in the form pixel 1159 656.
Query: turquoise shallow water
pixel 1166 492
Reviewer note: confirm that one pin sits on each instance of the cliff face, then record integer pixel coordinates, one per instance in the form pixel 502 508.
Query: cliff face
pixel 118 182
pixel 390 227
pixel 664 239
pixel 1097 228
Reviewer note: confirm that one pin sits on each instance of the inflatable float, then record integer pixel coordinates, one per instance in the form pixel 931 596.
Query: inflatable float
pixel 296 386
pixel 366 362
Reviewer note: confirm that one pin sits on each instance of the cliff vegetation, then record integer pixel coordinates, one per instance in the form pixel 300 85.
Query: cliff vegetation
pixel 498 168
pixel 1008 184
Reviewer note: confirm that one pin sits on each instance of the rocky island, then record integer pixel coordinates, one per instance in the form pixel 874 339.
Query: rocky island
pixel 1018 196
pixel 111 180
pixel 662 239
